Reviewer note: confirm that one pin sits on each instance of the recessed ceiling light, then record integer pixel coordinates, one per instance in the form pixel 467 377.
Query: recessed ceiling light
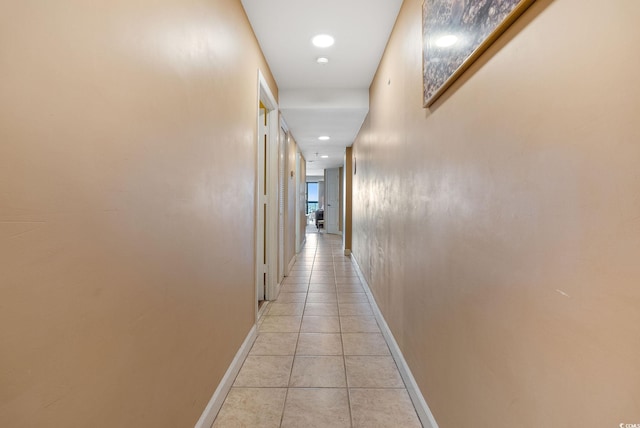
pixel 323 40
pixel 322 60
pixel 324 138
pixel 446 41
pixel 324 156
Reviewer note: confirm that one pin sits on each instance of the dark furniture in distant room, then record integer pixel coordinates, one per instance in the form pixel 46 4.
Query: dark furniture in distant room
pixel 320 219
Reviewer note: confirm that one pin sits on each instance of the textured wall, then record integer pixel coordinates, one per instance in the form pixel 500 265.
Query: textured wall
pixel 127 177
pixel 500 229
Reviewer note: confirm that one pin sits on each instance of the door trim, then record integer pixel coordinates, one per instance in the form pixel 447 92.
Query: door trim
pixel 265 96
pixel 332 201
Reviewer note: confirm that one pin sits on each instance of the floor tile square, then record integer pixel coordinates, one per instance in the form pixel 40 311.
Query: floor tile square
pixel 316 408
pixel 365 344
pixel 359 324
pixel 322 288
pixel 323 273
pixel 322 297
pixel 318 372
pixel 345 274
pixel 347 309
pixel 382 408
pixel 291 297
pixel 279 308
pixel 322 280
pixel 321 309
pixel 319 344
pixel 350 288
pixel 323 266
pixel 264 371
pixel 294 288
pixel 280 324
pixel 295 280
pixel 252 407
pixel 372 372
pixel 299 273
pixel 275 344
pixel 348 280
pixel 352 298
pixel 314 324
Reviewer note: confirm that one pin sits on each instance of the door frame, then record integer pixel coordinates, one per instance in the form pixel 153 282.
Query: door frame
pixel 283 131
pixel 266 219
pixel 331 186
pixel 298 203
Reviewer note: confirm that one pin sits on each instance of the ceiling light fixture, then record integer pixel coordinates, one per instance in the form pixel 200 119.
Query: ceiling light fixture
pixel 324 157
pixel 324 138
pixel 322 60
pixel 446 41
pixel 322 40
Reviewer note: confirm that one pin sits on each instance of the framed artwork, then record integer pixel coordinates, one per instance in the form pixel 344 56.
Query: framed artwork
pixel 456 32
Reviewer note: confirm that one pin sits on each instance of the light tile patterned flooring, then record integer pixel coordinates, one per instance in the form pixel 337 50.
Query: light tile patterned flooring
pixel 320 359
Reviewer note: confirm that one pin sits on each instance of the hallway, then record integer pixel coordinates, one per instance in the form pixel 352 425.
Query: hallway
pixel 320 359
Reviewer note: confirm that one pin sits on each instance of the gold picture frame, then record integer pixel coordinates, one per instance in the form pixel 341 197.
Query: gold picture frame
pixel 455 33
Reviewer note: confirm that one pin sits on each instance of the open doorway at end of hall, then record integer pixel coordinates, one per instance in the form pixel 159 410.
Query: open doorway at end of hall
pixel 314 200
pixel 324 201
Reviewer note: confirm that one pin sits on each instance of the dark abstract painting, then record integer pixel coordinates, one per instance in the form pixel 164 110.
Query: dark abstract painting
pixel 456 32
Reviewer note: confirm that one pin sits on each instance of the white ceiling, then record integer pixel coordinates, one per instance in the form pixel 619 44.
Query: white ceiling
pixel 330 99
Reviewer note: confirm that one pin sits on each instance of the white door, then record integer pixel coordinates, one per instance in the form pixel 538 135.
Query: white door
pixel 332 199
pixel 281 196
pixel 262 212
pixel 298 205
pixel 267 194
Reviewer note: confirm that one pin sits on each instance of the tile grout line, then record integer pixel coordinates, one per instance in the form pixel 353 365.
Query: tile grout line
pixel 344 357
pixel 295 350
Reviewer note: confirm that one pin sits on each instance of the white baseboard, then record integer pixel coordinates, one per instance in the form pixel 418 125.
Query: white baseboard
pixel 291 263
pixel 420 404
pixel 212 409
pixel 275 291
pixel 262 310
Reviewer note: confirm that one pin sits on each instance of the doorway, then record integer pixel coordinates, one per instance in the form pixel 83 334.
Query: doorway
pixel 266 237
pixel 332 198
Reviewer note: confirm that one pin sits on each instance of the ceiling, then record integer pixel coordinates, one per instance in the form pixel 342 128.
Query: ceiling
pixel 323 99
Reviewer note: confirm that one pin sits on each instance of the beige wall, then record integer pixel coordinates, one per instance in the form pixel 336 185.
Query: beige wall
pixel 127 164
pixel 500 229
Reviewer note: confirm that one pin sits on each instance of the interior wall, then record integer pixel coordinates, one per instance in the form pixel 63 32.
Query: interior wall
pixel 499 229
pixel 127 187
pixel 290 202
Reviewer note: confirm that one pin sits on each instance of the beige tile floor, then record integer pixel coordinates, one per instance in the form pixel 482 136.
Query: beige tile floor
pixel 320 359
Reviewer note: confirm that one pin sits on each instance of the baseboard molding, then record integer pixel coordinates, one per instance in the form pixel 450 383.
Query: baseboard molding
pixel 275 291
pixel 424 413
pixel 212 409
pixel 262 310
pixel 291 263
